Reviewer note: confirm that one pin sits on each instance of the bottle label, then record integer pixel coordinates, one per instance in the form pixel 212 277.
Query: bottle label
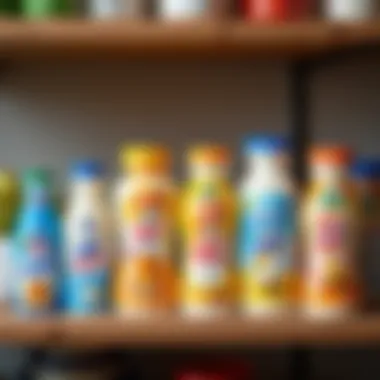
pixel 87 283
pixel 208 246
pixel 37 274
pixel 146 275
pixel 147 225
pixel 268 245
pixel 331 277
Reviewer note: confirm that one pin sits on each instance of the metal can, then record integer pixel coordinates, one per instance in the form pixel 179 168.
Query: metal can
pixel 104 9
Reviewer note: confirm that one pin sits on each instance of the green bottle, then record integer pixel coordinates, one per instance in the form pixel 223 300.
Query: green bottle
pixel 9 202
pixel 41 9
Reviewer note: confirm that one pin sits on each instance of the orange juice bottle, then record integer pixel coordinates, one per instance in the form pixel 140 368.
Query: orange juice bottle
pixel 331 288
pixel 208 214
pixel 146 214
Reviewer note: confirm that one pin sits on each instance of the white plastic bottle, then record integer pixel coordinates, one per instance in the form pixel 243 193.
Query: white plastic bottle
pixel 350 10
pixel 182 9
pixel 267 227
pixel 87 242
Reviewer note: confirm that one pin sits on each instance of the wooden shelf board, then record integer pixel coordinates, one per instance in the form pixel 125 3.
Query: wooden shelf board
pixel 177 332
pixel 79 39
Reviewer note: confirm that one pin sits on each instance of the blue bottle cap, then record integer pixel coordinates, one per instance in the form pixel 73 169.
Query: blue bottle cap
pixel 269 144
pixel 366 168
pixel 87 169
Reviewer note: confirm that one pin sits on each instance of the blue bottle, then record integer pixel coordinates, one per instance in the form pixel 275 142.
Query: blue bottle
pixel 87 242
pixel 267 226
pixel 36 248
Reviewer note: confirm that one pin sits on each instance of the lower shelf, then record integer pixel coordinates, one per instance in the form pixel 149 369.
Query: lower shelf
pixel 177 332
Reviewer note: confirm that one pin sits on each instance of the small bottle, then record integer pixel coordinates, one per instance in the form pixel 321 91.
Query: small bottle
pixel 267 228
pixel 208 215
pixel 146 203
pixel 9 203
pixel 36 248
pixel 182 9
pixel 366 175
pixel 87 242
pixel 330 231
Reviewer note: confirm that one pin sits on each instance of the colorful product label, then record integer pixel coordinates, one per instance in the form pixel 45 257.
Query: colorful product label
pixel 88 268
pixel 268 229
pixel 208 249
pixel 331 268
pixel 146 274
pixel 36 275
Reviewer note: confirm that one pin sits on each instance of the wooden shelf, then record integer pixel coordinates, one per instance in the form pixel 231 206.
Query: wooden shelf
pixel 21 40
pixel 176 332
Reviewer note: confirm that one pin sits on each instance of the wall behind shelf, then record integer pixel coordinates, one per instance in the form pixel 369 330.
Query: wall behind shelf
pixel 52 113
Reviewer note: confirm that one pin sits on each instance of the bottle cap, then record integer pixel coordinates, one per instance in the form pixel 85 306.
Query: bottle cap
pixel 331 154
pixel 87 169
pixel 209 155
pixel 40 176
pixel 267 144
pixel 142 158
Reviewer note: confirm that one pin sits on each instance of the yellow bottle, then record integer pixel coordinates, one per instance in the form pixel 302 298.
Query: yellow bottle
pixel 208 215
pixel 146 214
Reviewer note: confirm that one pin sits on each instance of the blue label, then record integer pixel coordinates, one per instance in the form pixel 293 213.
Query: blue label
pixel 87 284
pixel 38 258
pixel 268 228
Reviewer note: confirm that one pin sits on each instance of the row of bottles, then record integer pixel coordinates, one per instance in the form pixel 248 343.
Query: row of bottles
pixel 254 10
pixel 207 250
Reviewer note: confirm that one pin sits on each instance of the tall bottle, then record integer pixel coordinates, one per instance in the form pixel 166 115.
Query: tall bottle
pixel 146 214
pixel 87 241
pixel 37 248
pixel 209 217
pixel 267 227
pixel 330 230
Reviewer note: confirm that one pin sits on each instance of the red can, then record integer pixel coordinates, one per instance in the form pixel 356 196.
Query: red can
pixel 277 10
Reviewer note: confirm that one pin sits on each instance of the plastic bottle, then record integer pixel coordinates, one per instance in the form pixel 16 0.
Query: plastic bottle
pixel 330 230
pixel 37 248
pixel 209 217
pixel 9 203
pixel 146 202
pixel 267 227
pixel 87 241
pixel 366 174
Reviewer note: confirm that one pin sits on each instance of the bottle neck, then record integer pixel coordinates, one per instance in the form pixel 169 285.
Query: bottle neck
pixel 208 173
pixel 329 174
pixel 269 166
pixel 36 195
pixel 87 189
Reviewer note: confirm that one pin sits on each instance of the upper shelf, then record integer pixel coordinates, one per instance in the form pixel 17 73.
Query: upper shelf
pixel 76 39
